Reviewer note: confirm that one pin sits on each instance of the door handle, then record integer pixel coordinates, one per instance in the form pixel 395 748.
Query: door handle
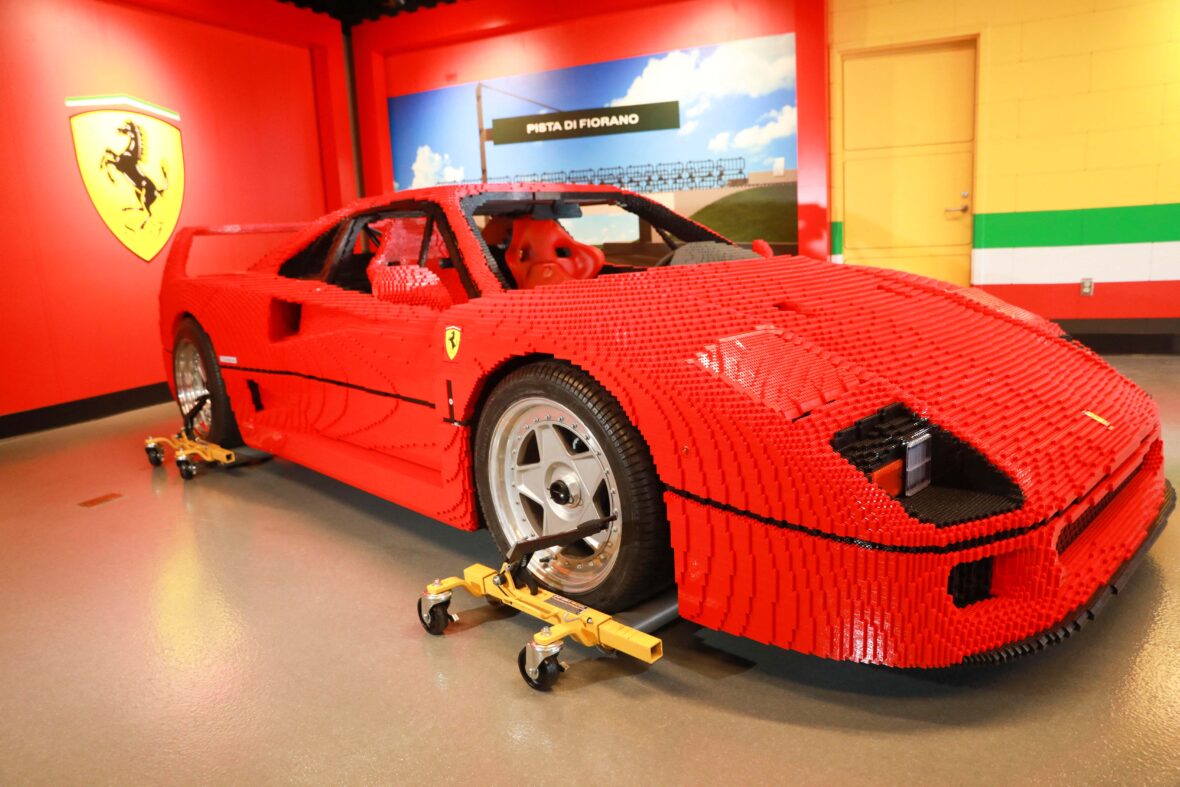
pixel 960 209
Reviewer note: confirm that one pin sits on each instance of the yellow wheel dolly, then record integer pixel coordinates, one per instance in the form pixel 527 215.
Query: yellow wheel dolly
pixel 187 446
pixel 564 618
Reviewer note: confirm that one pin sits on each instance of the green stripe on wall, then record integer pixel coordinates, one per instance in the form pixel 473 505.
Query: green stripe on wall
pixel 1135 224
pixel 837 237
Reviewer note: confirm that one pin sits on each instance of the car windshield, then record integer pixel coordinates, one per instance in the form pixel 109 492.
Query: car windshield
pixel 535 238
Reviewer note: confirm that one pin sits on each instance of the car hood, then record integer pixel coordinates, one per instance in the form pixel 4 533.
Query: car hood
pixel 739 374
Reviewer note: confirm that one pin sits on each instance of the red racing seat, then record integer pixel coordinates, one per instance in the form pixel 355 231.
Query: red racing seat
pixel 542 252
pixel 401 243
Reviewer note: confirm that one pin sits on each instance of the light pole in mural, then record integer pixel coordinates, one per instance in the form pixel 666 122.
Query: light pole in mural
pixel 485 134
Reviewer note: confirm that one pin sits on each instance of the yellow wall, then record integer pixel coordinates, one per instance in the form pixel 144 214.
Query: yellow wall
pixel 1079 100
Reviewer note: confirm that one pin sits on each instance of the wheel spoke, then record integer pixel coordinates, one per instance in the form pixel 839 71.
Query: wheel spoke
pixel 588 466
pixel 550 445
pixel 553 523
pixel 530 481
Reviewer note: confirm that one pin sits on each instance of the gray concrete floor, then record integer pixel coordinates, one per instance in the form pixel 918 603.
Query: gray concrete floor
pixel 257 625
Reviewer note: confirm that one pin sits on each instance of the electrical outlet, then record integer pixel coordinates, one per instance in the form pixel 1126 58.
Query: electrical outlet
pixel 1087 287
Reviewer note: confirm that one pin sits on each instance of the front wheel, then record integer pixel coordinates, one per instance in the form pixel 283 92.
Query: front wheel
pixel 554 450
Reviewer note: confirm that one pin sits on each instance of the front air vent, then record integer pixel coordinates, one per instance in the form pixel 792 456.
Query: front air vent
pixel 285 319
pixel 1074 529
pixel 971 583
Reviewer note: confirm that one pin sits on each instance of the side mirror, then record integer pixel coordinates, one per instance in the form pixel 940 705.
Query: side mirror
pixel 762 248
pixel 409 285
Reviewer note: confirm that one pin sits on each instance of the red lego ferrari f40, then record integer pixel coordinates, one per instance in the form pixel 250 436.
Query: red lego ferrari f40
pixel 851 462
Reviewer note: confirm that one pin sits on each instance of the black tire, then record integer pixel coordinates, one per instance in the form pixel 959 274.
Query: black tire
pixel 548 671
pixel 155 455
pixel 437 619
pixel 188 469
pixel 223 426
pixel 643 566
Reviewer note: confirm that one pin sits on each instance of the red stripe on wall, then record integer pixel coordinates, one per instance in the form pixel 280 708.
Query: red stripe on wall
pixel 1110 301
pixel 811 83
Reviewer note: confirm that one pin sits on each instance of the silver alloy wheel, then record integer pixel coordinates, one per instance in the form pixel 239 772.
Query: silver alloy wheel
pixel 191 378
pixel 549 474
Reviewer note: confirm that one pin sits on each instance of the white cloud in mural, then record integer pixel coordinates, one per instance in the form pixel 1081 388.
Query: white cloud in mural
pixel 432 168
pixel 750 68
pixel 687 128
pixel 780 123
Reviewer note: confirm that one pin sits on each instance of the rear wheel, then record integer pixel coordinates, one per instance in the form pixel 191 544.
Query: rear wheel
pixel 196 373
pixel 554 450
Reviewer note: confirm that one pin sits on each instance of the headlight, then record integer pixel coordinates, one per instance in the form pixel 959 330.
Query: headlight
pixel 936 477
pixel 917 462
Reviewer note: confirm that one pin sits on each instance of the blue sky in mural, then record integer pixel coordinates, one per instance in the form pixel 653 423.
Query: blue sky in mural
pixel 737 99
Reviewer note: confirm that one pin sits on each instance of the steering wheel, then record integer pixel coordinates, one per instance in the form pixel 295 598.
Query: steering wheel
pixel 673 247
pixel 666 260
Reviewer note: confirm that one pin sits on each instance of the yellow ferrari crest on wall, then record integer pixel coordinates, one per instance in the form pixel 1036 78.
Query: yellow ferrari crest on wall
pixel 451 340
pixel 132 166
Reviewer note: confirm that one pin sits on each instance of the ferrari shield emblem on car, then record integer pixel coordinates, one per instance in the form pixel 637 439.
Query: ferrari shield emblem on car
pixel 451 340
pixel 132 166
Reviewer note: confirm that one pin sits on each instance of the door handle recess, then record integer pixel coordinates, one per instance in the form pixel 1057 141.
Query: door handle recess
pixel 960 209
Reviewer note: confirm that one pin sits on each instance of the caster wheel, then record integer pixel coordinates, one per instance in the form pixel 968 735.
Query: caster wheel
pixel 155 455
pixel 548 671
pixel 188 470
pixel 436 620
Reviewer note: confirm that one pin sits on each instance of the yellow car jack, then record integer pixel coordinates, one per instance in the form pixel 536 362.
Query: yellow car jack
pixel 564 618
pixel 187 446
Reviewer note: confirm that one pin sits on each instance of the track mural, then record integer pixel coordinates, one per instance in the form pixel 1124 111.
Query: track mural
pixel 710 131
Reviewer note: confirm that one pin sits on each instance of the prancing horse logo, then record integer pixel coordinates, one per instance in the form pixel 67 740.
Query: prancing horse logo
pixel 127 163
pixel 132 166
pixel 451 340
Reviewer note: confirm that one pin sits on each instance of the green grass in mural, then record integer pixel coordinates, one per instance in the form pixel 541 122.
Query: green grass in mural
pixel 766 212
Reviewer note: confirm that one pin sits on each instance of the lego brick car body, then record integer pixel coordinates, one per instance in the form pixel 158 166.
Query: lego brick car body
pixel 851 462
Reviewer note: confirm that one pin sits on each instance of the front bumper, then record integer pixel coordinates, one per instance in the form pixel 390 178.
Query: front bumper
pixel 840 600
pixel 1084 614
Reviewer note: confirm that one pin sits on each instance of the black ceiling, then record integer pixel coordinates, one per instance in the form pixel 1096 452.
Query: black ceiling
pixel 351 12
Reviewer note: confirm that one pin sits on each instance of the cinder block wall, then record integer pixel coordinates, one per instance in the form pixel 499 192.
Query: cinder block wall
pixel 1077 158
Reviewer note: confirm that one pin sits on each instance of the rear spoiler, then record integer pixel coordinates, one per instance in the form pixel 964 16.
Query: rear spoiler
pixel 177 262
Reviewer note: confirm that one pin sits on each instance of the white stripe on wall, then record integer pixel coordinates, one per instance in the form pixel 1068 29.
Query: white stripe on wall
pixel 1070 264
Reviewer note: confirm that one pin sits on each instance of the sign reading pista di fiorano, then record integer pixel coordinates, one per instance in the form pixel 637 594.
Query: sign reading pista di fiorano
pixel 586 122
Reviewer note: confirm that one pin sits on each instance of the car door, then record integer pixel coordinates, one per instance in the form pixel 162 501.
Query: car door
pixel 370 380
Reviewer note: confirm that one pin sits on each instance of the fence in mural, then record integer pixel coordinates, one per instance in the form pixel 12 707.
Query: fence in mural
pixel 669 176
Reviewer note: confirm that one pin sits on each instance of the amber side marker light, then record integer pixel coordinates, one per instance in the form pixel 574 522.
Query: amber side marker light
pixel 1098 418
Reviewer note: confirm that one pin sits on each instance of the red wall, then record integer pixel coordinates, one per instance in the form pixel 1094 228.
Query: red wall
pixel 264 124
pixel 484 39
